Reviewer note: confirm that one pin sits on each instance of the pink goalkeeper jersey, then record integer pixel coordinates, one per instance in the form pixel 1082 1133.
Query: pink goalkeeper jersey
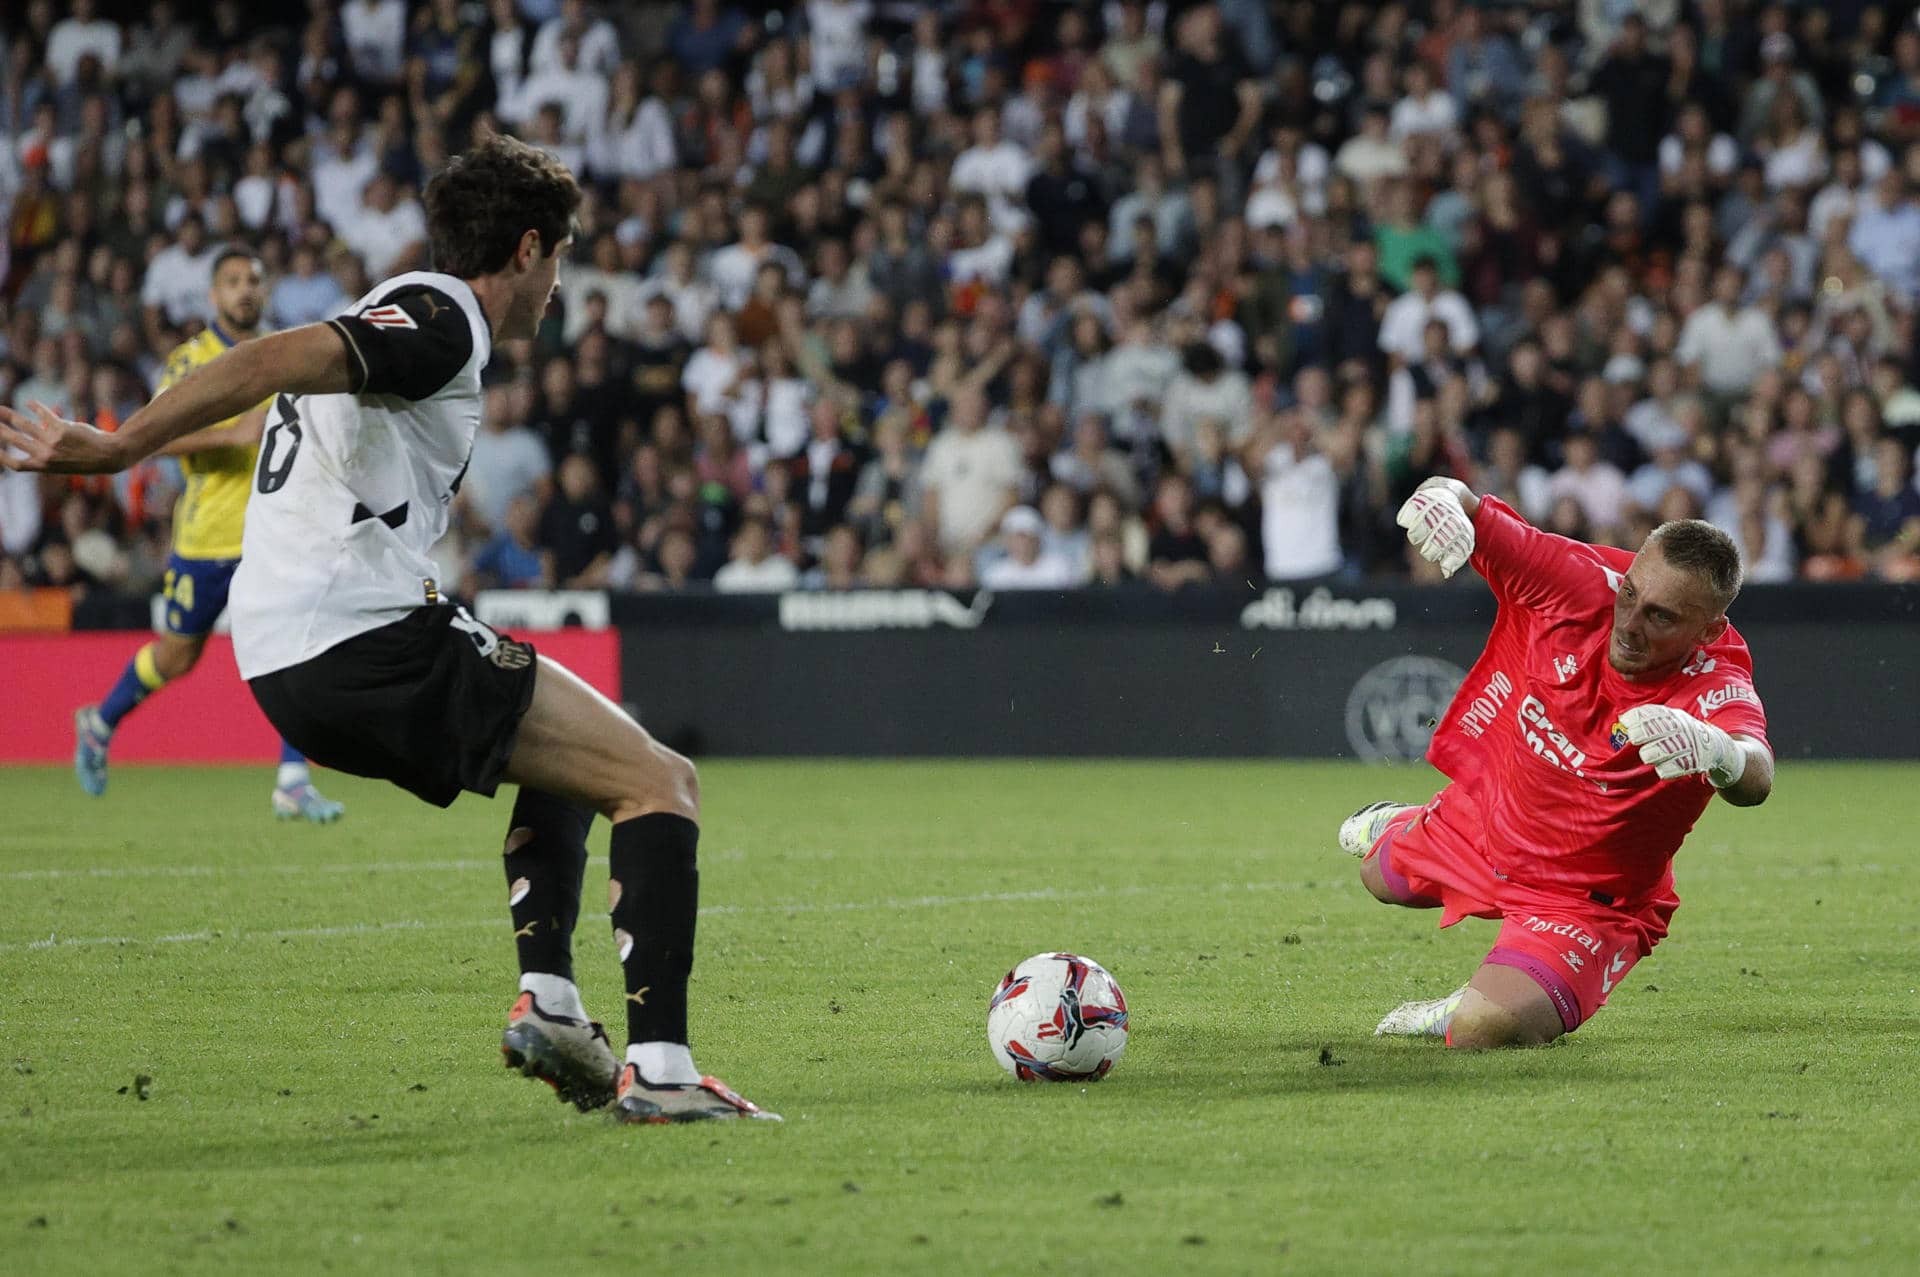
pixel 1533 734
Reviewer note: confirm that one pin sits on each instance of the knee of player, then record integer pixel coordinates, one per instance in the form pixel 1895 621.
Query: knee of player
pixel 173 660
pixel 672 783
pixel 686 782
pixel 1375 882
pixel 1490 1029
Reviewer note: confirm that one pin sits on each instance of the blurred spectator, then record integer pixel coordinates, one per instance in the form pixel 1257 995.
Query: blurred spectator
pixel 388 229
pixel 827 469
pixel 512 559
pixel 970 475
pixel 1886 236
pixel 754 567
pixel 1088 464
pixel 1724 345
pixel 1890 509
pixel 734 267
pixel 82 34
pixel 578 529
pixel 1595 486
pixel 375 33
pixel 179 275
pixel 1205 389
pixel 1403 326
pixel 1300 504
pixel 1177 553
pixel 841 563
pixel 598 45
pixel 1027 563
pixel 508 462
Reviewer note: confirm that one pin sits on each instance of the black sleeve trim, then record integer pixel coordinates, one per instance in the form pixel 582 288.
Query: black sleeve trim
pixel 410 342
pixel 353 348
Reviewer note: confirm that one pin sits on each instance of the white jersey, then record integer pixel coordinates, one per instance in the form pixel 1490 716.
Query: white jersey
pixel 351 490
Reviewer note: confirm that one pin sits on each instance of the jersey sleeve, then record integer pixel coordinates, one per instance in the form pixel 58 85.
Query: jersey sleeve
pixel 1729 703
pixel 410 343
pixel 1531 568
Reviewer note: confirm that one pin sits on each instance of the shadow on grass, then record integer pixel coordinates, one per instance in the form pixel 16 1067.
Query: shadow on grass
pixel 1296 1066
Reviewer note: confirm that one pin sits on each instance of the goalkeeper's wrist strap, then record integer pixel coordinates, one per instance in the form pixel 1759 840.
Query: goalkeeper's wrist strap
pixel 1732 767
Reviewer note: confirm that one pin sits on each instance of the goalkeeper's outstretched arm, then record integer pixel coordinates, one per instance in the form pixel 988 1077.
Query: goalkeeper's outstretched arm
pixel 1439 518
pixel 1675 743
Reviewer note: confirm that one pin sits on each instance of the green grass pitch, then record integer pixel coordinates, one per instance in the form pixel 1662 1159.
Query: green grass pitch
pixel 317 1013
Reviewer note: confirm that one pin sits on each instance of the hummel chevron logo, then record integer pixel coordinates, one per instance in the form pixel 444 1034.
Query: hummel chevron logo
pixel 1618 966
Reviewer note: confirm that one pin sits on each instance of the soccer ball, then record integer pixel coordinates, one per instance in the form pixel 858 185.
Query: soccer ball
pixel 1057 1017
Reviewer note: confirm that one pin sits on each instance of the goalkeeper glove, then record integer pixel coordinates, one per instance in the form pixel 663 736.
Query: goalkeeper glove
pixel 1675 743
pixel 1438 526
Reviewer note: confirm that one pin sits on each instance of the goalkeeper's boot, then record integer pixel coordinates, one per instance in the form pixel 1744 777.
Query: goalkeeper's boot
pixel 571 1056
pixel 304 802
pixel 90 738
pixel 658 1103
pixel 1421 1019
pixel 1361 830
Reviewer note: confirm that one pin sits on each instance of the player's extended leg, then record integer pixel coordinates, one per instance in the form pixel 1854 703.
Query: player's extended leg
pixel 167 657
pixel 1503 1006
pixel 575 743
pixel 549 1035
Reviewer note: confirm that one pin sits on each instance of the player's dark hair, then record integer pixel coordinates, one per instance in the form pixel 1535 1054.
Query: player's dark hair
pixel 1694 545
pixel 482 202
pixel 229 253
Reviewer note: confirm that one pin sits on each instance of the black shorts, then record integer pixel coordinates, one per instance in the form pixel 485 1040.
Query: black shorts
pixel 432 702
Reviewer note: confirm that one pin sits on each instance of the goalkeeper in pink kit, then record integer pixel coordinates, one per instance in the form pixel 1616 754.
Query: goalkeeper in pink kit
pixel 1612 703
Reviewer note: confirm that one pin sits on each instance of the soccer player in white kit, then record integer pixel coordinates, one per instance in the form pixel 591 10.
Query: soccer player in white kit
pixel 341 631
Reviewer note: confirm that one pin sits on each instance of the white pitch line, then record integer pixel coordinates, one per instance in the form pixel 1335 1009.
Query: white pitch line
pixel 792 907
pixel 221 871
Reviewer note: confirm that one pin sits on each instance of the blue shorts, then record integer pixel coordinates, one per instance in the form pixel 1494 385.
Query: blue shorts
pixel 196 592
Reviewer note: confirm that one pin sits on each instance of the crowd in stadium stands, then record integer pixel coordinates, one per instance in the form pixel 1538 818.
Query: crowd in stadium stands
pixel 1024 295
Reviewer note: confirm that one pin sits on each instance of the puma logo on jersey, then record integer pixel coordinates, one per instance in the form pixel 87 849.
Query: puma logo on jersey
pixel 391 316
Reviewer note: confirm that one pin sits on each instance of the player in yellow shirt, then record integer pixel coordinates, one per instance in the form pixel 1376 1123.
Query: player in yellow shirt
pixel 207 522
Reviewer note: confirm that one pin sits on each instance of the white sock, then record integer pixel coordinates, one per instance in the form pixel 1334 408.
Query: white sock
pixel 557 994
pixel 664 1062
pixel 291 775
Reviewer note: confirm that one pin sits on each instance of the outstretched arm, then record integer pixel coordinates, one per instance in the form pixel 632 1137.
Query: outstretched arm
pixel 308 360
pixel 1675 743
pixel 213 438
pixel 1756 780
pixel 1438 518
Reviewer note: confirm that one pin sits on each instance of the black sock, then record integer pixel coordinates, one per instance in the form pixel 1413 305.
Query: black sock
pixel 656 895
pixel 544 872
